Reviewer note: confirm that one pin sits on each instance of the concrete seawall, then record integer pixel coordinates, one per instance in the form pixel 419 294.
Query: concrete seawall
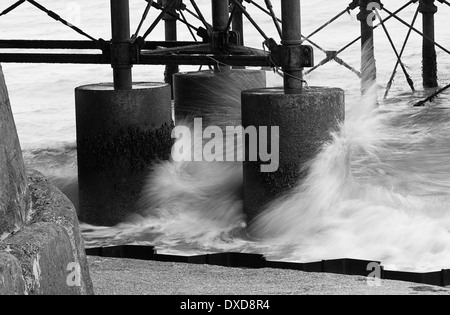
pixel 41 249
pixel 14 201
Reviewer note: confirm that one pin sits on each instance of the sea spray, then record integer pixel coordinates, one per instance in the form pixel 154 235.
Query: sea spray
pixel 190 203
pixel 58 161
pixel 379 191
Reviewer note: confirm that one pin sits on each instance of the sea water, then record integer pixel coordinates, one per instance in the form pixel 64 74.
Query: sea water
pixel 378 191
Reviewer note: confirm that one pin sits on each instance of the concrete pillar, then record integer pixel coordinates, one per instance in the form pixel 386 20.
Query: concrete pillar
pixel 14 196
pixel 213 96
pixel 429 69
pixel 120 133
pixel 305 123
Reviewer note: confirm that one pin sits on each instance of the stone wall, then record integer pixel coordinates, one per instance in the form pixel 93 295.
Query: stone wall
pixel 13 182
pixel 41 248
pixel 49 249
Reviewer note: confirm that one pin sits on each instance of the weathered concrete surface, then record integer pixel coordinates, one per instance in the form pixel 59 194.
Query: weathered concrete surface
pixel 213 96
pixel 120 135
pixel 11 279
pixel 306 122
pixel 41 249
pixel 13 184
pixel 50 205
pixel 49 249
pixel 135 277
pixel 44 252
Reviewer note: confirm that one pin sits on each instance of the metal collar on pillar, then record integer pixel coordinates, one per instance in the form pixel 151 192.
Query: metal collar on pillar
pixel 238 21
pixel 221 35
pixel 292 56
pixel 292 40
pixel 121 48
pixel 427 6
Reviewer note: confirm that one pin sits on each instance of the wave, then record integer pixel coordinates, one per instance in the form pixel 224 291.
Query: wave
pixel 379 191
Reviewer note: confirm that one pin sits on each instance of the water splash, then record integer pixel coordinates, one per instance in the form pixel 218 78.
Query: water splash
pixel 191 206
pixel 378 191
pixel 58 161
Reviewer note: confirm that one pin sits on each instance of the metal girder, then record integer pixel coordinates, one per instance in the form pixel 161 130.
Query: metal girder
pixel 82 44
pixel 185 59
pixel 147 54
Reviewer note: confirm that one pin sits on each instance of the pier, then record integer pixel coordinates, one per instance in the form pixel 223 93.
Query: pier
pixel 124 128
